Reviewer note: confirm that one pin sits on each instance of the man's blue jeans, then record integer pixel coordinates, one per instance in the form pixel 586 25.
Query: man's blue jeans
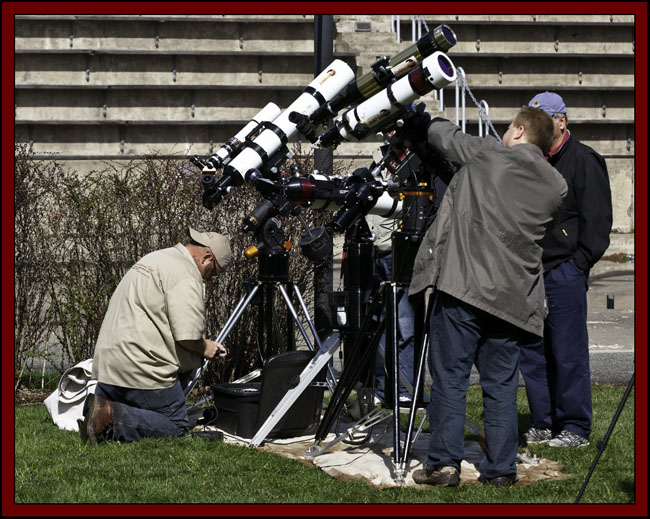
pixel 459 336
pixel 405 333
pixel 140 413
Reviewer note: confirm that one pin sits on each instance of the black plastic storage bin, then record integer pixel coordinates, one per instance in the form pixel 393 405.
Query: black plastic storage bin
pixel 237 406
pixel 243 408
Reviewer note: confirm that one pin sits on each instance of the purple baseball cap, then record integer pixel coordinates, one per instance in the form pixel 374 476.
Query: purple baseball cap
pixel 550 102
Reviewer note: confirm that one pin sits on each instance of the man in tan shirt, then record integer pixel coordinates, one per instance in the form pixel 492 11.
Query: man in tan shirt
pixel 153 332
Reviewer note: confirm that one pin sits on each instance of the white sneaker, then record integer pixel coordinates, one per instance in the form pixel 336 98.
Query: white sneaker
pixel 568 439
pixel 537 435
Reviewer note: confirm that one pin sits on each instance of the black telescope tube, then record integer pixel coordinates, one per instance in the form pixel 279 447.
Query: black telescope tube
pixel 442 38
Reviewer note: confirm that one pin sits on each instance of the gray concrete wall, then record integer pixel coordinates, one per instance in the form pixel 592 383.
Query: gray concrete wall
pixel 97 87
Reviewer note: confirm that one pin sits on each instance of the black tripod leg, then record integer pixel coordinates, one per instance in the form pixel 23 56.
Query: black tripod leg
pixel 361 355
pixel 392 360
pixel 603 443
pixel 420 354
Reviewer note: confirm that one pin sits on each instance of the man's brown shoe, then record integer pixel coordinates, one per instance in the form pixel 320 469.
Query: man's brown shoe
pixel 83 424
pixel 445 477
pixel 499 481
pixel 98 418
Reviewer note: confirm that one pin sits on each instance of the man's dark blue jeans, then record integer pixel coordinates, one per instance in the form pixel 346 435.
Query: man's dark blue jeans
pixel 459 336
pixel 405 333
pixel 140 413
pixel 556 370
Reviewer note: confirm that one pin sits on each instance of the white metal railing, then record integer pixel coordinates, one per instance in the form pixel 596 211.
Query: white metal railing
pixel 417 22
pixel 483 108
pixel 460 78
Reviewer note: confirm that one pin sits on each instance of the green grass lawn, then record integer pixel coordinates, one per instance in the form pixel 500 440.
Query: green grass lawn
pixel 53 466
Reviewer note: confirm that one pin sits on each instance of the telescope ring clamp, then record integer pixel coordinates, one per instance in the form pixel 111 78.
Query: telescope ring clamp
pixel 381 71
pixel 270 168
pixel 362 129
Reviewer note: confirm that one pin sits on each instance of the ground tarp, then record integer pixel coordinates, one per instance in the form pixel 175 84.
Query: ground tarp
pixel 372 461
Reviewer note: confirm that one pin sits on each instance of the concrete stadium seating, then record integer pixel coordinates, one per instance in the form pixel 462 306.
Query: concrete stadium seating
pixel 110 87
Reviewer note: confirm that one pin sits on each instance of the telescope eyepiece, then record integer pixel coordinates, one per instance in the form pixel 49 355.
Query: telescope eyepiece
pixel 208 181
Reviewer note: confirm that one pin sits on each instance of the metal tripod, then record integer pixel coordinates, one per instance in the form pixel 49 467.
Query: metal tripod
pixel 273 275
pixel 363 352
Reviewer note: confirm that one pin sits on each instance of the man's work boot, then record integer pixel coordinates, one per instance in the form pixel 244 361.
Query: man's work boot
pixel 98 417
pixel 445 477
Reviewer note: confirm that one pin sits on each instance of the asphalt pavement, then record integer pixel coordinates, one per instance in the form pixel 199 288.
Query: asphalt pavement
pixel 611 329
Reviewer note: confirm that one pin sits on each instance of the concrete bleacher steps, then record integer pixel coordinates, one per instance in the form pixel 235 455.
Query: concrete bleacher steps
pixel 90 88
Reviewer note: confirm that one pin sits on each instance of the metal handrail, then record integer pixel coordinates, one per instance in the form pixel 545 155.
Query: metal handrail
pixel 483 109
pixel 460 78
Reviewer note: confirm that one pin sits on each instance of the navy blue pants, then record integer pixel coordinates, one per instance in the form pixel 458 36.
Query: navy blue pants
pixel 461 335
pixel 141 413
pixel 405 333
pixel 556 370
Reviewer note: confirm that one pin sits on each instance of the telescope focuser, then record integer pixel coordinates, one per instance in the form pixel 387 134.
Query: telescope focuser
pixel 302 125
pixel 196 160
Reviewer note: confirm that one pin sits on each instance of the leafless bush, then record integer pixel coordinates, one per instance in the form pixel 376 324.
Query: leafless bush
pixel 76 236
pixel 33 318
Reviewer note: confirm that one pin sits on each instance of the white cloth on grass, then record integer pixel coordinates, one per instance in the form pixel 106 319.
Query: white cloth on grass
pixel 66 404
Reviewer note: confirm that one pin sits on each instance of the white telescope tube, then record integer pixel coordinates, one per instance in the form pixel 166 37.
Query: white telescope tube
pixel 269 113
pixel 435 71
pixel 386 206
pixel 322 89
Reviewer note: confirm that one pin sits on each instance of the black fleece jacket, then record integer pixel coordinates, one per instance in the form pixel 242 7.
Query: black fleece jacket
pixel 581 227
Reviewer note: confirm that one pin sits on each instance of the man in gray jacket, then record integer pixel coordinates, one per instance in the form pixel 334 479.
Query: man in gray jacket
pixel 483 261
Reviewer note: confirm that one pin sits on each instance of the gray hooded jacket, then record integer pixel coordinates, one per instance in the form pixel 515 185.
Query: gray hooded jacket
pixel 482 246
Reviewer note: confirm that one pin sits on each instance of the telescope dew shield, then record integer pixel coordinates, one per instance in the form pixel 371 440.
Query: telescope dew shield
pixel 322 89
pixel 436 71
pixel 440 39
pixel 316 191
pixel 269 113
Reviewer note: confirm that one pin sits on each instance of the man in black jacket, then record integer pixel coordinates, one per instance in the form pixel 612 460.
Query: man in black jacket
pixel 556 370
